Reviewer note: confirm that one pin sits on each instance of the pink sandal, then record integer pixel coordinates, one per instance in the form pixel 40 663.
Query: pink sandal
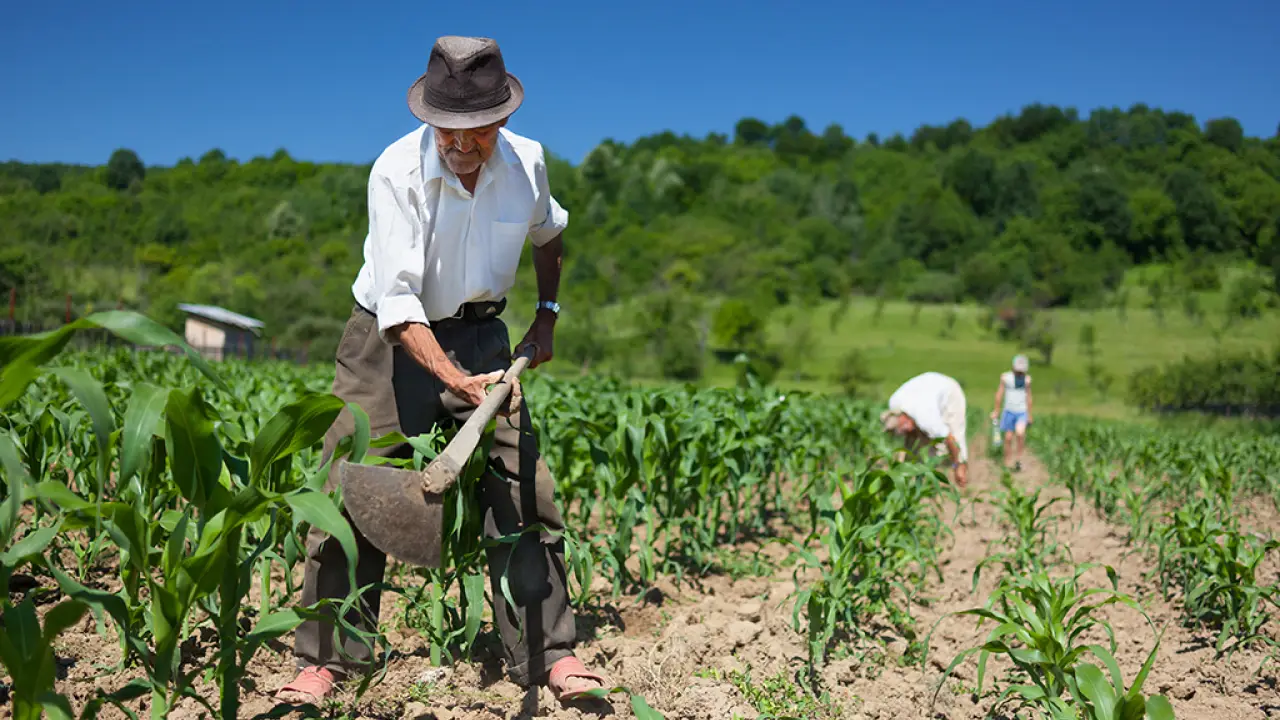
pixel 570 667
pixel 314 681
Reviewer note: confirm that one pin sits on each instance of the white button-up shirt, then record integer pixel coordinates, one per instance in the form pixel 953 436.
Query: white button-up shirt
pixel 433 246
pixel 926 399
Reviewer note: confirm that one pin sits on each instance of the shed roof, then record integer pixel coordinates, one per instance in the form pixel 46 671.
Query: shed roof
pixel 222 315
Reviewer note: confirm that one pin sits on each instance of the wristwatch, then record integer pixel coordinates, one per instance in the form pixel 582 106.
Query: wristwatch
pixel 551 305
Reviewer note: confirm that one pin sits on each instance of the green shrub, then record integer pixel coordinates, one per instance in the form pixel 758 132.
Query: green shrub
pixel 1229 384
pixel 935 287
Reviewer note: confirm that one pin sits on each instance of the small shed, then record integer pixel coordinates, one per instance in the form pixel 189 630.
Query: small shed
pixel 218 333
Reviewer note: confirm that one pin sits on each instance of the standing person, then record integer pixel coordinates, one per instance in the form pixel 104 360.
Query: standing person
pixel 450 207
pixel 1015 414
pixel 931 407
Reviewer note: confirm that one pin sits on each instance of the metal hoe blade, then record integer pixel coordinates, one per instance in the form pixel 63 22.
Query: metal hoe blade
pixel 392 510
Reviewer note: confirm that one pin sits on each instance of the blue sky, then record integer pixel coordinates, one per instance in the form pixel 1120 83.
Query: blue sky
pixel 326 80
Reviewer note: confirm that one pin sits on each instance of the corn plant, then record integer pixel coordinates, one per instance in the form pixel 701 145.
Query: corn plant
pixel 26 648
pixel 1093 697
pixel 1030 543
pixel 204 551
pixel 1203 553
pixel 1040 625
pixel 881 544
pixel 449 624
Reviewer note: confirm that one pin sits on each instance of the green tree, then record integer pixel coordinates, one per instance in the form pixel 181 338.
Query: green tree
pixel 737 325
pixel 1226 133
pixel 124 169
pixel 1155 227
pixel 972 174
pixel 1203 220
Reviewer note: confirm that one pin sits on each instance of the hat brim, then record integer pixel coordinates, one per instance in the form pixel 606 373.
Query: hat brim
pixel 437 117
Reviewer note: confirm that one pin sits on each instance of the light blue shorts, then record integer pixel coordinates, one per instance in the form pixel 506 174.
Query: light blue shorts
pixel 1010 421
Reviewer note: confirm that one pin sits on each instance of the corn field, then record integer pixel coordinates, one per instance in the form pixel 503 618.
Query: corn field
pixel 157 505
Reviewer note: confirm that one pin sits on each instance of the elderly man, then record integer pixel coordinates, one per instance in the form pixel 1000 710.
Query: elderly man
pixel 450 207
pixel 930 407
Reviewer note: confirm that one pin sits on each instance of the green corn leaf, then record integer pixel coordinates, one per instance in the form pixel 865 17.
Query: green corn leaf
pixel 473 589
pixel 142 330
pixel 195 456
pixel 1030 693
pixel 16 479
pixel 1097 690
pixel 360 439
pixel 142 421
pixel 34 543
pixel 1131 706
pixel 295 427
pixel 1141 679
pixel 1158 708
pixel 319 510
pixel 90 394
pixel 1113 667
pixel 273 626
pixel 56 706
pixel 642 711
pixel 130 531
pixel 21 358
pixel 132 690
pixel 98 600
pixel 22 632
pixel 62 617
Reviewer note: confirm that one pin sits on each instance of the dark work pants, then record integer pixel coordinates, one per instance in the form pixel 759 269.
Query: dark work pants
pixel 398 394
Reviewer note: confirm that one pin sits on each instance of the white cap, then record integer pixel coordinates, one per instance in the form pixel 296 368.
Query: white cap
pixel 1020 363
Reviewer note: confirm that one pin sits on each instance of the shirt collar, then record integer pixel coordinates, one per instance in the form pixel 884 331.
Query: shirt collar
pixel 433 169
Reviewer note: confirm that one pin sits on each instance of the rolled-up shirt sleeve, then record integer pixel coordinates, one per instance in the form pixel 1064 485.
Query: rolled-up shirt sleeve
pixel 549 219
pixel 396 257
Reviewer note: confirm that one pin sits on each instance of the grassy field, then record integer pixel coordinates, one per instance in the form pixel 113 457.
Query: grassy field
pixel 901 344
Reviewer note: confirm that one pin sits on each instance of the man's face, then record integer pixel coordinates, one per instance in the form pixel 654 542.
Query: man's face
pixel 464 151
pixel 906 425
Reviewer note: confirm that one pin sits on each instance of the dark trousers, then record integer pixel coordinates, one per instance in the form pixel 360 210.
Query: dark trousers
pixel 398 394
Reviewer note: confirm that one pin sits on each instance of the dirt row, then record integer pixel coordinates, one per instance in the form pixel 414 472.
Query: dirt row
pixel 725 648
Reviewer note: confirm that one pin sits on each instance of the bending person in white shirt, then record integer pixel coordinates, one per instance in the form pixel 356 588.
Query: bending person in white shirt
pixel 930 407
pixel 450 207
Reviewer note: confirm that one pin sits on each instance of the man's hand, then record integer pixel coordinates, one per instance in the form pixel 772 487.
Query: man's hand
pixel 474 388
pixel 962 474
pixel 541 336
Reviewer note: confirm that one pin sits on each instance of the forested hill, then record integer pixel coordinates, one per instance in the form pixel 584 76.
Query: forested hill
pixel 1046 206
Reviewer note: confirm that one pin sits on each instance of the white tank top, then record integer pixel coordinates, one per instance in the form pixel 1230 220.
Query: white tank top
pixel 1015 392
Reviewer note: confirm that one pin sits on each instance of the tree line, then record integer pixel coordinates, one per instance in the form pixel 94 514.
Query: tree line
pixel 1045 207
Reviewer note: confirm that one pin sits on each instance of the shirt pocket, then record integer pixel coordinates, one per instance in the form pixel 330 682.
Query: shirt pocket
pixel 507 242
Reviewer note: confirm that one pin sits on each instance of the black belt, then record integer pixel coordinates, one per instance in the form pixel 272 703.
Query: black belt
pixel 476 312
pixel 471 312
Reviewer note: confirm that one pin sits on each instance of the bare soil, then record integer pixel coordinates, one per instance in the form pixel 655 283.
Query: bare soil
pixel 679 646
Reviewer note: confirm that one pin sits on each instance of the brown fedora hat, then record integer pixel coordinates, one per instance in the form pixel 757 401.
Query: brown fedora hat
pixel 466 85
